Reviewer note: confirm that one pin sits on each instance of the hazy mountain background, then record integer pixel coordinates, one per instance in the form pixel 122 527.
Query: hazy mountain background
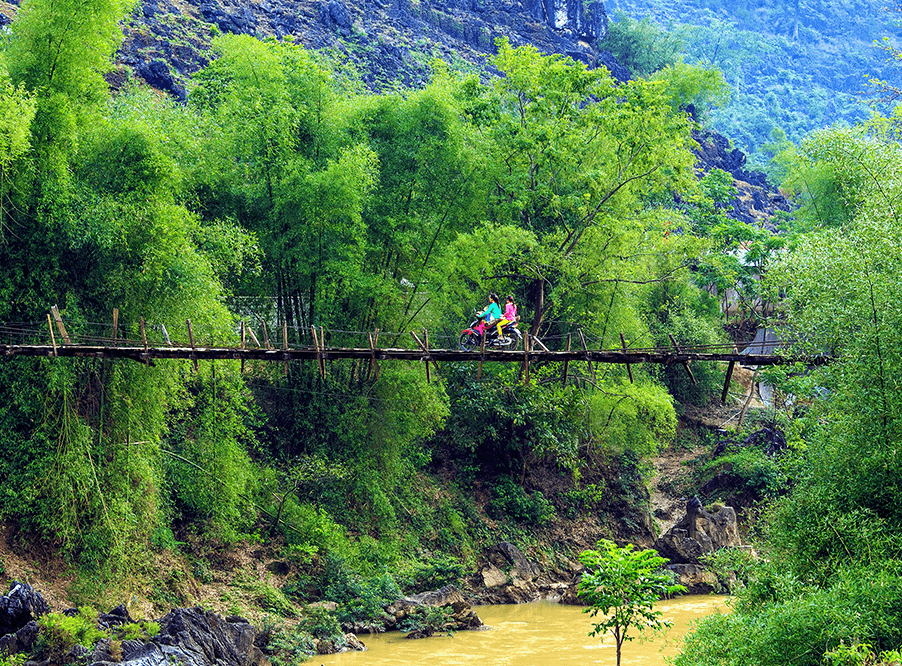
pixel 793 66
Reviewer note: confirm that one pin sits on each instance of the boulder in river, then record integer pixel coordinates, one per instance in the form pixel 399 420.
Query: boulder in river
pixel 695 578
pixel 461 614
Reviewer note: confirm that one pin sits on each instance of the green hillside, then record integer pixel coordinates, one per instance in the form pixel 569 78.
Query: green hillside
pixel 792 66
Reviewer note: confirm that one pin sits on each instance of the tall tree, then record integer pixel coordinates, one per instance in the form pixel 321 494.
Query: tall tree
pixel 277 163
pixel 431 186
pixel 60 50
pixel 17 109
pixel 576 156
pixel 841 286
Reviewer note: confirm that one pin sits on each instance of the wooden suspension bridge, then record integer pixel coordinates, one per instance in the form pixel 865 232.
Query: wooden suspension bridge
pixel 55 341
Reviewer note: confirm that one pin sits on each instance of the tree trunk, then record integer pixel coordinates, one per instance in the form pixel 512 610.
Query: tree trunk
pixel 539 306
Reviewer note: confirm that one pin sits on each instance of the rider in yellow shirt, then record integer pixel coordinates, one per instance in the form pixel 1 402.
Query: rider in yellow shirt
pixel 510 314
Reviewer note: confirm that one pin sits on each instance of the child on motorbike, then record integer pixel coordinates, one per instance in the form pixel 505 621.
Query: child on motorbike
pixel 510 315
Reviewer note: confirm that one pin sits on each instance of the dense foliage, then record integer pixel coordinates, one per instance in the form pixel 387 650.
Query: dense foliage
pixel 827 590
pixel 281 196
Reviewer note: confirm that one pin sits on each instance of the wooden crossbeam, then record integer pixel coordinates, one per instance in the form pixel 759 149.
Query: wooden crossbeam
pixel 685 363
pixel 615 356
pixel 566 364
pixel 193 355
pixel 60 325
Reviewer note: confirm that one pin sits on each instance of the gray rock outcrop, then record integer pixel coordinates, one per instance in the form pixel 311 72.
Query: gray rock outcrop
pixel 19 606
pixel 509 577
pixel 192 637
pixel 462 614
pixel 698 533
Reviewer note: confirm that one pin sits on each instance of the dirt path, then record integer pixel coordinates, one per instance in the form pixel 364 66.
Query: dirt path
pixel 673 465
pixel 671 469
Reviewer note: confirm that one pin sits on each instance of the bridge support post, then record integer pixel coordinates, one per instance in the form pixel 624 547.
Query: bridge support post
pixel 143 337
pixel 676 348
pixel 481 357
pixel 749 398
pixel 50 328
pixel 374 366
pixel 191 340
pixel 566 364
pixel 726 384
pixel 243 338
pixel 285 346
pixel 250 332
pixel 629 369
pixel 586 349
pixel 425 349
pixel 318 344
pixel 60 325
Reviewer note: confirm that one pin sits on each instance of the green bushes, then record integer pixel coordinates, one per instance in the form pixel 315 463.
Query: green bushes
pixel 321 623
pixel 290 647
pixel 360 598
pixel 275 601
pixel 734 567
pixel 432 574
pixel 59 632
pixel 753 468
pixel 799 623
pixel 208 468
pixel 500 424
pixel 131 631
pixel 585 499
pixel 630 418
pixel 643 46
pixel 429 620
pixel 860 654
pixel 510 500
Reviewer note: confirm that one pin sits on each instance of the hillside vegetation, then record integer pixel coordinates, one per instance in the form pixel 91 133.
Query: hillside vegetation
pixel 284 194
pixel 281 194
pixel 792 67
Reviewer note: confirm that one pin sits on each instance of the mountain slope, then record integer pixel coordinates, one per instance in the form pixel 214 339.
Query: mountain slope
pixel 794 66
pixel 388 44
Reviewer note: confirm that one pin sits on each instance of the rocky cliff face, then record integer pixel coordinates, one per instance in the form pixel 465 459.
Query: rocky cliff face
pixel 389 41
pixel 757 201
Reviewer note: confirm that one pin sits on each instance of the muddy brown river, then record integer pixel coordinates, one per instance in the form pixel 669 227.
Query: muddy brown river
pixel 538 634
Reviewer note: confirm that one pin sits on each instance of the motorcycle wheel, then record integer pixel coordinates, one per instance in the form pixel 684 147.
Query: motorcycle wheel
pixel 468 341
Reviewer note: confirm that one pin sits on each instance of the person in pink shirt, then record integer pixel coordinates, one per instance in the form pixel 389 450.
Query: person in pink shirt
pixel 510 315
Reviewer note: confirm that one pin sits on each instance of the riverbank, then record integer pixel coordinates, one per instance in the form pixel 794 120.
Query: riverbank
pixel 265 579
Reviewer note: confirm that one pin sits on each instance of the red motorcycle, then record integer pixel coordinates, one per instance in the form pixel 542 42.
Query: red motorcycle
pixel 471 337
